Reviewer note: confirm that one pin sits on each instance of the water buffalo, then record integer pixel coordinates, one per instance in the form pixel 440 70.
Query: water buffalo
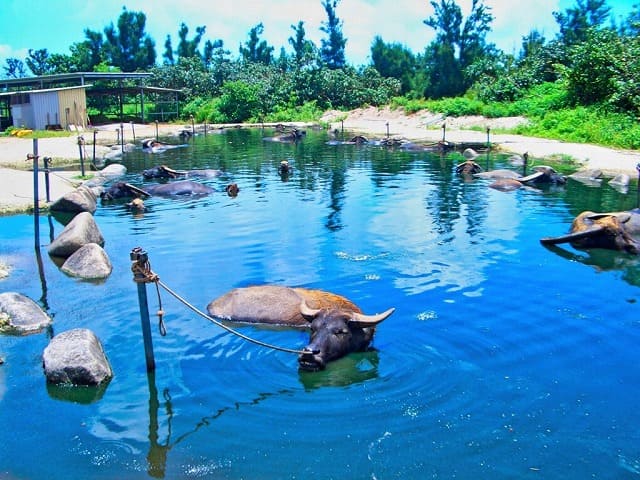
pixel 163 171
pixel 338 327
pixel 151 145
pixel 180 188
pixel 291 136
pixel 614 231
pixel 544 174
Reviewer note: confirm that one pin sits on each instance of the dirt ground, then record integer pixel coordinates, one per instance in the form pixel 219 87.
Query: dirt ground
pixel 16 182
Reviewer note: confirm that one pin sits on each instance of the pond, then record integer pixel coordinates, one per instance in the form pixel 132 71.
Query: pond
pixel 503 359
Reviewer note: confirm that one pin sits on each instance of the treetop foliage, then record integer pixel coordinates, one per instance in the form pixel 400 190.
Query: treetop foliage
pixel 594 60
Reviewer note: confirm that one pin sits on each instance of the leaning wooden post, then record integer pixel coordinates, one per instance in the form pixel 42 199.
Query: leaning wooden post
pixel 444 132
pixel 139 267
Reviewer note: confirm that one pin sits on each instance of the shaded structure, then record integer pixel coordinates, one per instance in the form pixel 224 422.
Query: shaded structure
pixel 106 93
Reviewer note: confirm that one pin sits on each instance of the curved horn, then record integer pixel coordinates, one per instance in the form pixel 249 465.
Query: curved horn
pixel 533 176
pixel 570 237
pixel 137 190
pixel 371 320
pixel 622 217
pixel 172 171
pixel 308 312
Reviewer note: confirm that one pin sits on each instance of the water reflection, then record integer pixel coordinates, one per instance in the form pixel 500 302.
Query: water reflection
pixel 350 370
pixel 602 260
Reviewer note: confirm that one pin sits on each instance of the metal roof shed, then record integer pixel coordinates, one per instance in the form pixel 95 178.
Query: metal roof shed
pixel 49 108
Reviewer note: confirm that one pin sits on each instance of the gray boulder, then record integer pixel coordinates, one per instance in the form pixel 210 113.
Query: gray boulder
pixel 76 357
pixel 21 315
pixel 82 199
pixel 89 262
pixel 107 174
pixel 80 231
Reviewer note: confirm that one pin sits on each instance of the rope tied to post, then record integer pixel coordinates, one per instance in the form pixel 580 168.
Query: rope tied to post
pixel 142 273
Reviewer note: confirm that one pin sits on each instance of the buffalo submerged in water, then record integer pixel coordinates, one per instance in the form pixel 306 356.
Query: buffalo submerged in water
pixel 338 327
pixel 179 188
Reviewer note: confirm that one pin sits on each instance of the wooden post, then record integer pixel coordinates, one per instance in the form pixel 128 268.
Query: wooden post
pixel 47 185
pixel 95 132
pixel 488 137
pixel 36 193
pixel 139 264
pixel 156 130
pixel 81 148
pixel 387 129
pixel 122 137
pixel 193 127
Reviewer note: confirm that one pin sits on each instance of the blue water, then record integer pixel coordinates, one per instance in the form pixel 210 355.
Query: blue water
pixel 504 359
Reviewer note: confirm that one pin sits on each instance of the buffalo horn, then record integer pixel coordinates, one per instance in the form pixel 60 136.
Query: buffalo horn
pixel 308 312
pixel 570 237
pixel 137 190
pixel 622 217
pixel 371 320
pixel 533 176
pixel 172 171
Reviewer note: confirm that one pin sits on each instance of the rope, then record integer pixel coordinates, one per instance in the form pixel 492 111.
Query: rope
pixel 225 327
pixel 143 274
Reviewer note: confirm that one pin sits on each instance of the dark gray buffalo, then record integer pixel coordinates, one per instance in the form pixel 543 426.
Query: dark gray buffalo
pixel 162 171
pixel 174 189
pixel 338 327
pixel 614 231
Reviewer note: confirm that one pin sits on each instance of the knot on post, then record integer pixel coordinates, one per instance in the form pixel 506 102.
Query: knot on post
pixel 141 267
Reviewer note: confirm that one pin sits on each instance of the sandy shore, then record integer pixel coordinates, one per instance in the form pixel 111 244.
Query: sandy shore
pixel 16 182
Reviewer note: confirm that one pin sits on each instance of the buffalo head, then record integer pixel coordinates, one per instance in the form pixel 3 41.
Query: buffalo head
pixel 161 171
pixel 468 167
pixel 123 190
pixel 335 333
pixel 614 231
pixel 544 174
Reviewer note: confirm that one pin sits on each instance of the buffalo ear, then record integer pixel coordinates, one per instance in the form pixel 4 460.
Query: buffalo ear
pixel 307 312
pixel 370 320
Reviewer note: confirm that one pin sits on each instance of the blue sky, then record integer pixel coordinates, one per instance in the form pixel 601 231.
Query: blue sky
pixel 56 24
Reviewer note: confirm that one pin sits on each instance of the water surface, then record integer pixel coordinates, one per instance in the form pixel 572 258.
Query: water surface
pixel 504 359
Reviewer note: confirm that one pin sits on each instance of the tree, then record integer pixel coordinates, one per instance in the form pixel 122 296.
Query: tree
pixel 168 52
pixel 256 50
pixel 332 47
pixel 595 62
pixel 304 51
pixel 189 48
pixel 14 68
pixel 576 21
pixel 394 61
pixel 38 62
pixel 458 44
pixel 129 48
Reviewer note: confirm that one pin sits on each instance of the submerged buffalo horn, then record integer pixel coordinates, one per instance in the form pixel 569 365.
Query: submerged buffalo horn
pixel 571 237
pixel 308 312
pixel 371 320
pixel 137 190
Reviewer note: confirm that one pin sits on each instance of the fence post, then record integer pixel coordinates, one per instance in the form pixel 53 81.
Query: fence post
pixel 140 263
pixel 36 194
pixel 81 148
pixel 47 185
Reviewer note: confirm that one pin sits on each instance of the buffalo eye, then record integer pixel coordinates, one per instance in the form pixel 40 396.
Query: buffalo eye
pixel 341 331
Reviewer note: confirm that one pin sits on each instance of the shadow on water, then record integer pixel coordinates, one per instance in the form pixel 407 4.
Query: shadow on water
pixel 602 260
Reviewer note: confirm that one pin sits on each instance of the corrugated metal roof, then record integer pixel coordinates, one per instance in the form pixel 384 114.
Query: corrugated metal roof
pixel 45 90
